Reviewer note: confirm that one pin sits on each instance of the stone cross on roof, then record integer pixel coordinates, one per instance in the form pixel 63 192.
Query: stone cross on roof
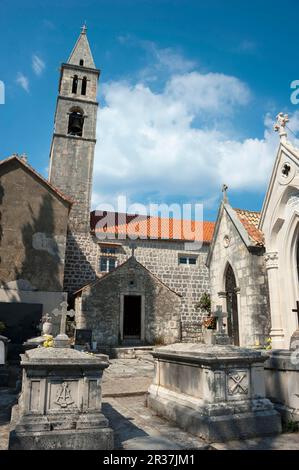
pixel 84 28
pixel 280 124
pixel 133 247
pixel 224 190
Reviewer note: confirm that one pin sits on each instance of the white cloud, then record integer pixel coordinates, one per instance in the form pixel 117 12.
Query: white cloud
pixel 23 81
pixel 38 65
pixel 178 142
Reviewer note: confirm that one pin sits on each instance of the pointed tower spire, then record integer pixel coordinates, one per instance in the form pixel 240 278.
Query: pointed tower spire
pixel 81 54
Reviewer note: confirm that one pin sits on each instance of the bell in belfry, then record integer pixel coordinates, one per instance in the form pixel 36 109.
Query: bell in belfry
pixel 76 121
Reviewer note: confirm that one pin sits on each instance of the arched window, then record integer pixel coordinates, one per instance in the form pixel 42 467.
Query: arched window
pixel 81 62
pixel 75 84
pixel 84 85
pixel 76 122
pixel 232 305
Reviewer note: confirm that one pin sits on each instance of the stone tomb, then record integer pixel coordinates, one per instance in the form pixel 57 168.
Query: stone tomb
pixel 60 403
pixel 215 392
pixel 4 373
pixel 282 382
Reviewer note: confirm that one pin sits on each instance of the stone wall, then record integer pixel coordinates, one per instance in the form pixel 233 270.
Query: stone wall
pixel 71 160
pixel 160 257
pixel 249 270
pixel 33 230
pixel 99 306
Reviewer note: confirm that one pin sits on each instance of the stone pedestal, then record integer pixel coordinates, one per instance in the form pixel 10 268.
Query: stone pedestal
pixel 4 372
pixel 215 337
pixel 60 403
pixel 215 392
pixel 282 382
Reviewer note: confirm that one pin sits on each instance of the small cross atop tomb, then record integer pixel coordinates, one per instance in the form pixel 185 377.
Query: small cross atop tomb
pixel 295 336
pixel 219 315
pixel 296 310
pixel 61 340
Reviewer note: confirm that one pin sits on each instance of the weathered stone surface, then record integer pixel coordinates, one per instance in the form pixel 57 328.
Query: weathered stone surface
pixel 282 382
pixel 60 403
pixel 83 254
pixel 34 226
pixel 215 392
pixel 250 272
pixel 99 306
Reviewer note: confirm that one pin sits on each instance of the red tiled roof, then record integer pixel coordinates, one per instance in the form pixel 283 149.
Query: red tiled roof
pixel 250 221
pixel 147 227
pixel 35 173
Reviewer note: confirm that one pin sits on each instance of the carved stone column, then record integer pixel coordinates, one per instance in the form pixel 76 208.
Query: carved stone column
pixel 277 332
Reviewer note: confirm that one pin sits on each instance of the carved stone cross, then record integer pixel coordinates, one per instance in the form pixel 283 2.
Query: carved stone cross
pixel 219 315
pixel 296 310
pixel 224 191
pixel 64 312
pixel 281 122
pixel 133 247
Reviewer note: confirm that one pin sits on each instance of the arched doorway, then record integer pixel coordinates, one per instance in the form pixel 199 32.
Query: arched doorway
pixel 232 306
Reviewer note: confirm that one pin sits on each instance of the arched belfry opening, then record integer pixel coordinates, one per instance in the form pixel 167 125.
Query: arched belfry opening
pixel 84 86
pixel 76 122
pixel 232 305
pixel 75 84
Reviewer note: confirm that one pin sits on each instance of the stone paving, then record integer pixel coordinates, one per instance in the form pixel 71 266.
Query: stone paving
pixel 7 399
pixel 136 427
pixel 128 376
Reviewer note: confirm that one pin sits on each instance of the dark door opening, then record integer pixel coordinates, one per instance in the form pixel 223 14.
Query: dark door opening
pixel 21 322
pixel 132 317
pixel 232 306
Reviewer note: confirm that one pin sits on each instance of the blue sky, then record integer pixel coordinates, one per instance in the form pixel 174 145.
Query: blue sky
pixel 188 92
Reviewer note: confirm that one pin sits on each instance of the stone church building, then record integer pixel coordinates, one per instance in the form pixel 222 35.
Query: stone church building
pixel 147 291
pixel 254 257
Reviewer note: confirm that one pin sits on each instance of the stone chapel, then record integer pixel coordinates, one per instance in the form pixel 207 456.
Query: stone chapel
pixel 149 296
pixel 148 292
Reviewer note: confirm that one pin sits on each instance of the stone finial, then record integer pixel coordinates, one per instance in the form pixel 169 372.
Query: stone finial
pixel 280 125
pixel 84 28
pixel 133 247
pixel 24 157
pixel 224 190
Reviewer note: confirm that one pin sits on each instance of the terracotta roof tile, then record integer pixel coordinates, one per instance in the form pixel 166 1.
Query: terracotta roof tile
pixel 147 227
pixel 250 221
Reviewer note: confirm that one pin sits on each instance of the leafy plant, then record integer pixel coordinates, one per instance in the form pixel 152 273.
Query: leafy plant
pixel 204 303
pixel 292 426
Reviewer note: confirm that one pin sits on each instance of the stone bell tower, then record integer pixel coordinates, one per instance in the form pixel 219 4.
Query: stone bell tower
pixel 74 137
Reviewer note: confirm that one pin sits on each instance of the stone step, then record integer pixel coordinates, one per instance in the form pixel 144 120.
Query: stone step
pixel 128 352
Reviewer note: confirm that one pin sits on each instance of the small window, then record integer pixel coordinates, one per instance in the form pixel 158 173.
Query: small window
pixel 84 86
pixel 107 264
pixel 108 250
pixel 188 260
pixel 75 84
pixel 81 62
